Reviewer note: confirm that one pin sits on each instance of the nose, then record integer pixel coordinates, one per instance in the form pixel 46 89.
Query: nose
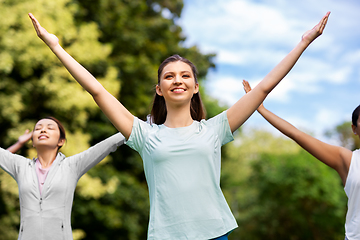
pixel 177 79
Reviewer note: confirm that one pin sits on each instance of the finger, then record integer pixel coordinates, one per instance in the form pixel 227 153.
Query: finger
pixel 244 83
pixel 324 21
pixel 247 87
pixel 35 23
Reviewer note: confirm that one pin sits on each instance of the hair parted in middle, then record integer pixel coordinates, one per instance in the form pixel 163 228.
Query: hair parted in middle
pixel 159 112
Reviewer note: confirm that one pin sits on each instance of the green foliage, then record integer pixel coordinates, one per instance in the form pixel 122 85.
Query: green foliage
pixel 141 38
pixel 298 198
pixel 275 190
pixel 343 132
pixel 282 192
pixel 121 42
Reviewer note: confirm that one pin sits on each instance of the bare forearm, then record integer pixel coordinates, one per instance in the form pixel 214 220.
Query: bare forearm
pixel 280 124
pixel 121 118
pixel 333 156
pixel 281 69
pixel 81 75
pixel 242 109
pixel 112 108
pixel 15 147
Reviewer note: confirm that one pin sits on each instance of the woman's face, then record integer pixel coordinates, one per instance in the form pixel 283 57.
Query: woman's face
pixel 177 83
pixel 47 134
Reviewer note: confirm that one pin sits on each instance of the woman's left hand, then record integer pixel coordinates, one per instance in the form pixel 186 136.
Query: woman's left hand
pixel 312 34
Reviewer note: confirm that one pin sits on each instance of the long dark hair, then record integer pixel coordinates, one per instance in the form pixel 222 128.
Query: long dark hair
pixel 159 112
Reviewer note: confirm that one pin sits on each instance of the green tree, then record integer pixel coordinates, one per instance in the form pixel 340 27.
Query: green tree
pixel 344 134
pixel 143 34
pixel 279 191
pixel 121 43
pixel 34 84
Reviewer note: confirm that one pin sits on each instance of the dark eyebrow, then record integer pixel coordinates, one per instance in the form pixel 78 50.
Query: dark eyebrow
pixel 40 124
pixel 167 73
pixel 170 72
pixel 185 72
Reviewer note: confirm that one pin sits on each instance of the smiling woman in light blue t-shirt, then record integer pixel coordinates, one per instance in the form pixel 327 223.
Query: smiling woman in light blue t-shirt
pixel 181 151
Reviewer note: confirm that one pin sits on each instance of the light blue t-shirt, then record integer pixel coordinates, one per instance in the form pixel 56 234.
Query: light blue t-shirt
pixel 182 169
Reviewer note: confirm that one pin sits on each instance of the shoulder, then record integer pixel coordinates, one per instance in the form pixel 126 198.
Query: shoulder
pixel 220 126
pixel 350 157
pixel 347 159
pixel 5 154
pixel 218 119
pixel 140 132
pixel 138 123
pixel 10 162
pixel 356 152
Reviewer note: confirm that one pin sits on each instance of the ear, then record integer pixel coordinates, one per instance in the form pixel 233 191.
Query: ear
pixel 196 90
pixel 354 129
pixel 158 90
pixel 61 142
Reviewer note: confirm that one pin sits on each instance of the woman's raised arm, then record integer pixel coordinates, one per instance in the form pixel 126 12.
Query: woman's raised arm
pixel 21 141
pixel 120 117
pixel 336 157
pixel 245 106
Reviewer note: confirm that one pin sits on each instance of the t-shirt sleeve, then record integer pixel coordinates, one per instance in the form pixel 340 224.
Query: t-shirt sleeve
pixel 221 126
pixel 10 161
pixel 87 159
pixel 138 135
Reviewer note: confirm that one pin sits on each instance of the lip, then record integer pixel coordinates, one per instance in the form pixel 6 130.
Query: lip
pixel 174 90
pixel 42 136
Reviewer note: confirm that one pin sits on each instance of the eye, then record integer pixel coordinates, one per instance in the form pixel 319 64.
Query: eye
pixel 168 76
pixel 186 76
pixel 51 127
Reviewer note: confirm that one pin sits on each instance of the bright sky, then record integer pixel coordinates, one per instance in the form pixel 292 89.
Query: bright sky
pixel 251 37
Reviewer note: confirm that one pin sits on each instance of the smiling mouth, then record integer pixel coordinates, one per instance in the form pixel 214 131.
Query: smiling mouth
pixel 178 90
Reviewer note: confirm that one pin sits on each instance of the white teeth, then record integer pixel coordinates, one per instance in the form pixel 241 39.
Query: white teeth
pixel 178 90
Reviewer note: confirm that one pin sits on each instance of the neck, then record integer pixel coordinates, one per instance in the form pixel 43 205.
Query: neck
pixel 46 156
pixel 178 117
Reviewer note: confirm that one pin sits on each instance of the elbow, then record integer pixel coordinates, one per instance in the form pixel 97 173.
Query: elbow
pixel 294 135
pixel 97 92
pixel 266 87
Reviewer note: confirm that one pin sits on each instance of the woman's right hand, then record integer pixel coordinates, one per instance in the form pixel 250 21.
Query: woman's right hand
pixel 50 39
pixel 247 88
pixel 25 137
pixel 120 117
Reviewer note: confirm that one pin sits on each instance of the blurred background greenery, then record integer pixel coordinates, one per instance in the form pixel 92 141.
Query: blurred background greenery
pixel 275 189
